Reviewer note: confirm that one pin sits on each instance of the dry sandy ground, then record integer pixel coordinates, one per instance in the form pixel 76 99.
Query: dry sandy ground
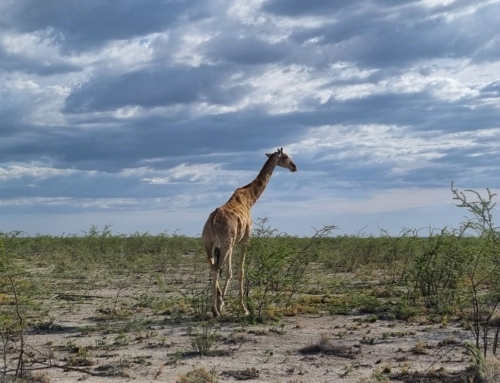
pixel 353 348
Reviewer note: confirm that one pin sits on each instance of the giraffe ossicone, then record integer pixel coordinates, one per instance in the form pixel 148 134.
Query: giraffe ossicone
pixel 231 224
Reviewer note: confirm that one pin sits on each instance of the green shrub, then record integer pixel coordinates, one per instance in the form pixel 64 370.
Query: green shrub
pixel 275 268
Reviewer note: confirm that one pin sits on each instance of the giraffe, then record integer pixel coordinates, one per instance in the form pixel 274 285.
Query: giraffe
pixel 231 224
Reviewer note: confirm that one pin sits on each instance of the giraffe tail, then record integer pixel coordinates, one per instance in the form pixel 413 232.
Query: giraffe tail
pixel 217 257
pixel 217 248
pixel 217 254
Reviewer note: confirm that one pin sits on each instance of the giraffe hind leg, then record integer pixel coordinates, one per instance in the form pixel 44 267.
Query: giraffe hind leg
pixel 220 257
pixel 216 292
pixel 229 273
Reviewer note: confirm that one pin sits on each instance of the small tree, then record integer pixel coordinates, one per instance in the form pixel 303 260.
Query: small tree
pixel 481 289
pixel 276 267
pixel 437 269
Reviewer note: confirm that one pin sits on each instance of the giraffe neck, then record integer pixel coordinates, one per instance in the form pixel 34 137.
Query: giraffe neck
pixel 258 185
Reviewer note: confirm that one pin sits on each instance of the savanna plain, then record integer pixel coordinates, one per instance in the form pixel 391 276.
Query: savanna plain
pixel 420 306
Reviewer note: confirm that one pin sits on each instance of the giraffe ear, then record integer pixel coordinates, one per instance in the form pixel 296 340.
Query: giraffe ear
pixel 268 155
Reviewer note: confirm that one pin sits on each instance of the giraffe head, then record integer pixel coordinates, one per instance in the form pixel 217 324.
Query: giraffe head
pixel 283 160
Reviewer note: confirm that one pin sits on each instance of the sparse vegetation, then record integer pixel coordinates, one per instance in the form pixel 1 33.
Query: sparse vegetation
pixel 199 375
pixel 203 338
pixel 130 289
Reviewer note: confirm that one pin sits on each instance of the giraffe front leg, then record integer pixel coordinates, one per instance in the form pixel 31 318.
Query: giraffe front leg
pixel 241 275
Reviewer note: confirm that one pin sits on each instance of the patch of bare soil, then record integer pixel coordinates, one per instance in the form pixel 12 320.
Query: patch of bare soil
pixel 306 348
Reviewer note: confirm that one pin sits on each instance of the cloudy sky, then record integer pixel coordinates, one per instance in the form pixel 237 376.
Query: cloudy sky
pixel 147 115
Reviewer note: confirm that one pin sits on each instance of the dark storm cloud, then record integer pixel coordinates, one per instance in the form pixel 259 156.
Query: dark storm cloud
pixel 297 8
pixel 491 90
pixel 245 51
pixel 84 185
pixel 12 111
pixel 339 164
pixel 10 121
pixel 452 164
pixel 375 36
pixel 153 87
pixel 126 143
pixel 420 110
pixel 478 157
pixel 78 26
pixel 15 63
pixel 373 174
pixel 476 167
pixel 303 8
pixel 431 176
pixel 77 148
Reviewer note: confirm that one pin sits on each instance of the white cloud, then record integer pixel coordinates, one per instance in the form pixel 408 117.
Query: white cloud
pixel 129 54
pixel 22 84
pixel 246 11
pixel 282 89
pixel 39 172
pixel 191 173
pixel 399 147
pixel 436 3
